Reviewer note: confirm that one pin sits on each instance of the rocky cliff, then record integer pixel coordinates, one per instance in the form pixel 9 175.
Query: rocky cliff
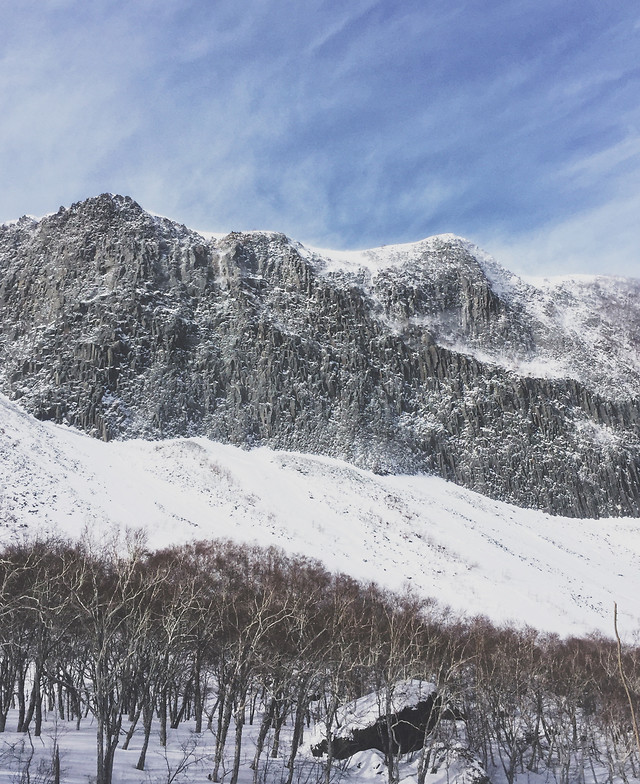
pixel 428 357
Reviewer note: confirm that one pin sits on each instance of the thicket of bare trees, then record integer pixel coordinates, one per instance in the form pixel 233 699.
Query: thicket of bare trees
pixel 224 635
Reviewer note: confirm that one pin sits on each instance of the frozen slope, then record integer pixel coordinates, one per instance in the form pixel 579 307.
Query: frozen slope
pixel 477 555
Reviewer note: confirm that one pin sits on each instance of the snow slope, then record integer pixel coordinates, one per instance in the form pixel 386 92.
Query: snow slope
pixel 476 555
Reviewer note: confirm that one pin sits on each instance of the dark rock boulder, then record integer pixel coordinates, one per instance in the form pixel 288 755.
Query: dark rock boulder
pixel 409 727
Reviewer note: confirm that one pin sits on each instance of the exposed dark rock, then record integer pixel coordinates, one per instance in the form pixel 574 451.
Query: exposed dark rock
pixel 408 730
pixel 123 325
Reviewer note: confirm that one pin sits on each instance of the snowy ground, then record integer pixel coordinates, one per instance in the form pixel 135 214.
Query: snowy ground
pixel 476 555
pixel 78 756
pixel 187 758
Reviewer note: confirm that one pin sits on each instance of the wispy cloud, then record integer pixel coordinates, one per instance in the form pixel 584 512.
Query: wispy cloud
pixel 602 240
pixel 348 124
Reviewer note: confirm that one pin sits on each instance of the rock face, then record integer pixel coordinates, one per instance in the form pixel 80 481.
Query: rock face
pixel 416 358
pixel 409 727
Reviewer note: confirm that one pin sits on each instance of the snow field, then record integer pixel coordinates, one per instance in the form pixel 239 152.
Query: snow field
pixel 476 555
pixel 188 757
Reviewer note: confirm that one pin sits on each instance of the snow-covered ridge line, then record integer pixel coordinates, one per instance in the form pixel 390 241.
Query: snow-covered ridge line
pixel 374 258
pixel 379 258
pixel 581 326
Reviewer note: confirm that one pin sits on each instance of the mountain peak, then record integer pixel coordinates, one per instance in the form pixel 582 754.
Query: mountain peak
pixel 423 357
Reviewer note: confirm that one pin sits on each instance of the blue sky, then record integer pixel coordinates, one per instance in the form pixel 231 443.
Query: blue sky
pixel 515 124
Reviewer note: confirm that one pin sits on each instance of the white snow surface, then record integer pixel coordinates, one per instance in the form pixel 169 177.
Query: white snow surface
pixel 476 555
pixel 375 259
pixel 188 757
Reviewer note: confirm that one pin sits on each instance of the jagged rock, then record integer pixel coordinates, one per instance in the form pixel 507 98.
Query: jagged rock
pixel 409 727
pixel 421 358
pixel 414 708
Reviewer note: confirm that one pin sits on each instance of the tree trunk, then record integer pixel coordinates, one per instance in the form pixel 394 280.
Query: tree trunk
pixel 240 719
pixel 56 765
pixel 331 713
pixel 60 699
pixel 392 764
pixel 107 768
pixel 295 744
pixel 147 721
pixel 225 721
pixel 280 715
pixel 266 723
pixel 100 735
pixel 198 706
pixel 298 728
pixel 33 701
pixel 162 709
pixel 22 704
pixel 38 725
pixel 132 728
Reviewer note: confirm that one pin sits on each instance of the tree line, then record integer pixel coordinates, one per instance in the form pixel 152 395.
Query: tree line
pixel 222 635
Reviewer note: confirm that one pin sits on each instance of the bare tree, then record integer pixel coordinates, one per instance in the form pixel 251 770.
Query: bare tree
pixel 625 681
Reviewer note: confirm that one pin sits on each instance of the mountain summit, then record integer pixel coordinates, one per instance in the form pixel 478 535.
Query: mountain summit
pixel 427 357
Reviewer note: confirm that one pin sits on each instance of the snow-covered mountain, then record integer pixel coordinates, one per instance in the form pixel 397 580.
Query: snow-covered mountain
pixel 581 327
pixel 474 554
pixel 421 358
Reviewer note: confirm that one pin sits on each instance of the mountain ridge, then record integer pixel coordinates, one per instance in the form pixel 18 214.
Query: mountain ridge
pixel 127 325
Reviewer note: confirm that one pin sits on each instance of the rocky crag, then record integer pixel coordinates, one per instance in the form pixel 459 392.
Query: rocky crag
pixel 420 358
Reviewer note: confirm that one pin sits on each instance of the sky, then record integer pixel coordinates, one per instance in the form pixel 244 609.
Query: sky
pixel 513 123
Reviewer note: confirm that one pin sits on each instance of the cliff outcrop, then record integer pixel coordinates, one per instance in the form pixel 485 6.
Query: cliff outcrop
pixel 422 358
